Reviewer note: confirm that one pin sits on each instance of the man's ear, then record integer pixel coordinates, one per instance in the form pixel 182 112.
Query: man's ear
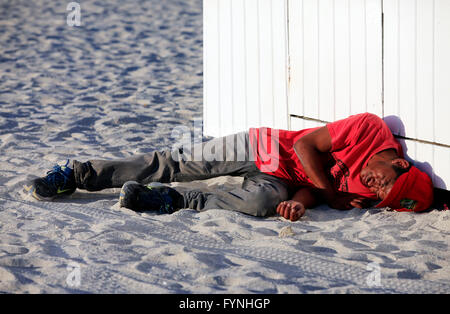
pixel 401 163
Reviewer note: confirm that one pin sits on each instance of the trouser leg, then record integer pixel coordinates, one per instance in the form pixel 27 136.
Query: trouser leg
pixel 95 175
pixel 259 195
pixel 228 155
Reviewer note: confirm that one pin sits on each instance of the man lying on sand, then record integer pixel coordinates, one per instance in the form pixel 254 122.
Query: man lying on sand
pixel 348 163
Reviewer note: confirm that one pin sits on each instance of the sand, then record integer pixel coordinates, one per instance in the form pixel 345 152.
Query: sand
pixel 117 86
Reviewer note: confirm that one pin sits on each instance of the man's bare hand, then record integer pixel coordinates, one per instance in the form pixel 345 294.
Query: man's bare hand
pixel 291 210
pixel 349 201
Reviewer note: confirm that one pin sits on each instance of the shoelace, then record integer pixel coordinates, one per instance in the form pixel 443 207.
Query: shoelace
pixel 57 175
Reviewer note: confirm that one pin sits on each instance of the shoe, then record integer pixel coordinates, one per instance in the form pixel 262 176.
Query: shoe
pixel 58 182
pixel 138 197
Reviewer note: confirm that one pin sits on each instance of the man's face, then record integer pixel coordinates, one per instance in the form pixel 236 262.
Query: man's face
pixel 379 177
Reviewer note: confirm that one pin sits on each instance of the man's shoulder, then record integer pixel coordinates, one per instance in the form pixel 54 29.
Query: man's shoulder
pixel 373 117
pixel 366 119
pixel 365 115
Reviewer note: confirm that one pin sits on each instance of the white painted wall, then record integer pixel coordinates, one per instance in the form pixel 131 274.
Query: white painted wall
pixel 272 62
pixel 417 80
pixel 335 58
pixel 245 65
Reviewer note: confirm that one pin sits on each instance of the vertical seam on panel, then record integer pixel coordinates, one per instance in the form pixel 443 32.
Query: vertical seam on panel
pixel 365 52
pixel 205 66
pixel 398 58
pixel 349 57
pixel 287 59
pixel 334 60
pixel 259 61
pixel 382 58
pixel 303 57
pixel 318 59
pixel 233 96
pixel 415 70
pixel 245 65
pixel 271 48
pixel 218 66
pixel 433 61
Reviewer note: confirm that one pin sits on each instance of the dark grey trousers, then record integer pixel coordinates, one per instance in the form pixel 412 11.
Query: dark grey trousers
pixel 259 194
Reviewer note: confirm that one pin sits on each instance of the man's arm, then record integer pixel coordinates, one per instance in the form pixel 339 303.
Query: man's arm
pixel 307 197
pixel 309 150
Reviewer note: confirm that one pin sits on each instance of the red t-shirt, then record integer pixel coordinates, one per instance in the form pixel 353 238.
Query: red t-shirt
pixel 354 141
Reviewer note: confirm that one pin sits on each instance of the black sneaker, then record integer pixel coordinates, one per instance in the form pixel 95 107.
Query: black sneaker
pixel 58 182
pixel 138 197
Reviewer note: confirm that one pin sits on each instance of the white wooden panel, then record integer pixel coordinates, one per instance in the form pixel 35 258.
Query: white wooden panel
pixel 296 55
pixel 374 52
pixel 245 65
pixel 400 69
pixel 424 90
pixel 335 50
pixel 417 67
pixel 441 167
pixel 252 74
pixel 301 124
pixel 310 59
pixel 342 60
pixel 442 71
pixel 211 99
pixel 239 120
pixel 390 61
pixel 280 64
pixel 432 159
pixel 326 44
pixel 265 62
pixel 225 67
pixel 358 82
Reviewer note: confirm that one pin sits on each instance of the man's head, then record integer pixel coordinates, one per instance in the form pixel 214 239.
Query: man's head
pixel 380 175
pixel 399 185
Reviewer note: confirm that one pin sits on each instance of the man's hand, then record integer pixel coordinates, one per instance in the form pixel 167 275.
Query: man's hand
pixel 348 201
pixel 291 210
